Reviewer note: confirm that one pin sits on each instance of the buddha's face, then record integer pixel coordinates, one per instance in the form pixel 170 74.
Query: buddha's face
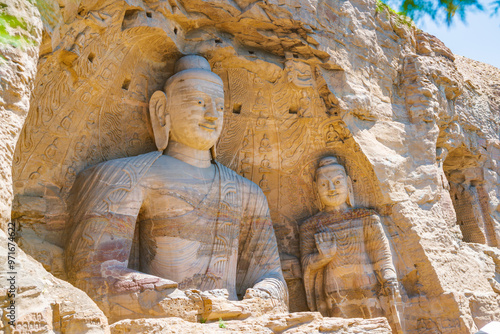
pixel 332 186
pixel 196 109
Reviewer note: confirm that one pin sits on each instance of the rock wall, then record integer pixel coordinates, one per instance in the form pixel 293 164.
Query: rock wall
pixel 416 127
pixel 301 322
pixel 40 302
pixel 20 37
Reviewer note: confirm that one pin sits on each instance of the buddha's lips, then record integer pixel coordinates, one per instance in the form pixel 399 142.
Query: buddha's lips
pixel 207 126
pixel 304 77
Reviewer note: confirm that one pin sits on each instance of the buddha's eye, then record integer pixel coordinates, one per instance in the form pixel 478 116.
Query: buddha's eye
pixel 323 184
pixel 337 182
pixel 200 102
pixel 221 108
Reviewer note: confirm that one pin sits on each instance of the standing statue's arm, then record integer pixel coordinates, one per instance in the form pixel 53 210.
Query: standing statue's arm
pixel 316 249
pixel 379 251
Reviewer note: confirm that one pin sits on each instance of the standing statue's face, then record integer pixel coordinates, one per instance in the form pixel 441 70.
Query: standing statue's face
pixel 196 109
pixel 332 187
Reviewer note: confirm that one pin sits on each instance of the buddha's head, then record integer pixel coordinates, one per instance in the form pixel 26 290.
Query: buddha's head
pixel 190 111
pixel 333 185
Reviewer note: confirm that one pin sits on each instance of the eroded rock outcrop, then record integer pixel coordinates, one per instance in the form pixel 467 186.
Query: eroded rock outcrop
pixel 42 302
pixel 21 34
pixel 301 322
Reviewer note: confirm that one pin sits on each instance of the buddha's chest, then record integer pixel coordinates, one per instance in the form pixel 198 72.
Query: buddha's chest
pixel 190 231
pixel 171 191
pixel 349 237
pixel 191 208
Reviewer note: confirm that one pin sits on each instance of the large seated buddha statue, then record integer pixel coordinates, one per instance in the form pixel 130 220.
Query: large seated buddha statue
pixel 174 222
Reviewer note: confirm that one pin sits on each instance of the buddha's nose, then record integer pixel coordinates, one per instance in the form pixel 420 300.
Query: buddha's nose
pixel 331 186
pixel 210 114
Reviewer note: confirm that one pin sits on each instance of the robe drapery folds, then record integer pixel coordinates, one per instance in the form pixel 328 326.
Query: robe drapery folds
pixel 100 203
pixel 361 261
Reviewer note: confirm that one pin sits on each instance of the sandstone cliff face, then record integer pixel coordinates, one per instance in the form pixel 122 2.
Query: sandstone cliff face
pixel 417 128
pixel 20 37
pixel 42 302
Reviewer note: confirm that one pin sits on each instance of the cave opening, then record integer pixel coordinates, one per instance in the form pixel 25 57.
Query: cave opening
pixel 470 200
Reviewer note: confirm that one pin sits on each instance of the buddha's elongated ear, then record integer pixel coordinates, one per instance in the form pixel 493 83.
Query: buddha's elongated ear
pixel 213 152
pixel 160 119
pixel 317 198
pixel 350 197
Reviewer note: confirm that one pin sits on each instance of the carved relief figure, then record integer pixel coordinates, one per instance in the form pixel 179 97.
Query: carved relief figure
pixel 246 166
pixel 346 257
pixel 246 142
pixel 331 135
pixel 304 105
pixel 265 145
pixel 199 224
pixel 264 184
pixel 265 165
pixel 260 104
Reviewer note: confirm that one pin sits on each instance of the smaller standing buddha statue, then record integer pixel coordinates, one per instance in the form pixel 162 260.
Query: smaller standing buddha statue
pixel 346 256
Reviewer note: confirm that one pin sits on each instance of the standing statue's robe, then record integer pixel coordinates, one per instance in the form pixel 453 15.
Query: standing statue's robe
pixel 219 239
pixel 348 285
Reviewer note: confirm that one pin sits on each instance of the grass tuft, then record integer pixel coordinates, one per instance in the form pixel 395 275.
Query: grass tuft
pixel 401 18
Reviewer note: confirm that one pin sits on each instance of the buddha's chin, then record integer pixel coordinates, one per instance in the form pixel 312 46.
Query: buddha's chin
pixel 203 140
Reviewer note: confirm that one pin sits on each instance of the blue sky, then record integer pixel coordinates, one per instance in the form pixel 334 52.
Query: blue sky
pixel 478 38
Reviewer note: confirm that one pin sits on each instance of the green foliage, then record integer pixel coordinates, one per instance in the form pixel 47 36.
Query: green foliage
pixel 203 320
pixel 401 18
pixel 8 22
pixel 222 324
pixel 441 10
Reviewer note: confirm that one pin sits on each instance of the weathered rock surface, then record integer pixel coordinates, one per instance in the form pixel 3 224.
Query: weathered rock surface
pixel 21 34
pixel 301 322
pixel 43 303
pixel 416 127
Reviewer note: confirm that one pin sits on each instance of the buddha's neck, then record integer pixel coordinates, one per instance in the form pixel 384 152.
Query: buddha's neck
pixel 189 155
pixel 341 208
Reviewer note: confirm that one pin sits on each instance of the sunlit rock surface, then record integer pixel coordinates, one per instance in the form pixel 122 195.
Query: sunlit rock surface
pixel 416 127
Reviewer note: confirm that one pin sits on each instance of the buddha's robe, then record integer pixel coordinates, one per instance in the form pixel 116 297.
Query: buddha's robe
pixel 201 233
pixel 348 284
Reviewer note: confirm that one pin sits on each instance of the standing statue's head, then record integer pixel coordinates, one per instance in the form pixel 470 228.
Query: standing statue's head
pixel 190 111
pixel 333 185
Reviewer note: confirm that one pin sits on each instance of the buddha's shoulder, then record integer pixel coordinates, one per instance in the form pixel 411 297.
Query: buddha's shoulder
pixel 313 221
pixel 126 164
pixel 363 215
pixel 243 183
pixel 366 213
